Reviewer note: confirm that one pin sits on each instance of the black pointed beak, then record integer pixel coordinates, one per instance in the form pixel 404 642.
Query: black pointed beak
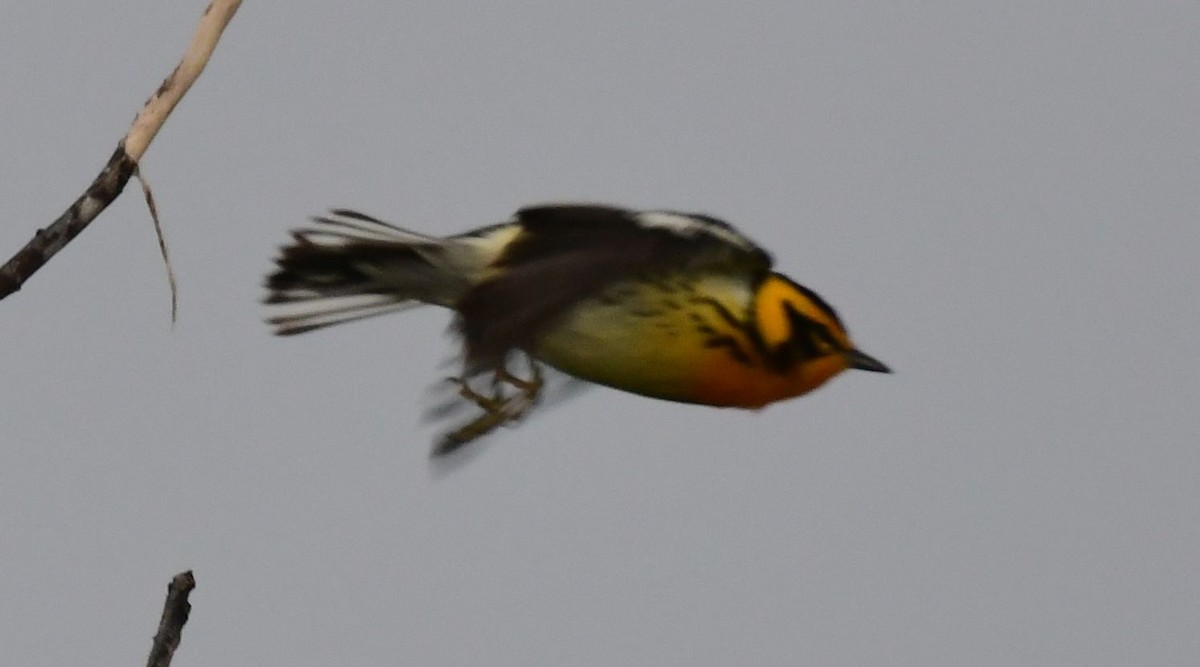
pixel 865 362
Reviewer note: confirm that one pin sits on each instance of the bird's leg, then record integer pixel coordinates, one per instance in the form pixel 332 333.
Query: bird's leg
pixel 498 409
pixel 529 388
pixel 488 404
pixel 476 428
pixel 527 393
pixel 492 418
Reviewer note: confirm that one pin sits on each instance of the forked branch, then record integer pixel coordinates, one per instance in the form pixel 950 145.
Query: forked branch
pixel 124 161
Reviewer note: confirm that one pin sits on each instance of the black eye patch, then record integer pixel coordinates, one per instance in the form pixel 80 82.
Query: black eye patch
pixel 809 338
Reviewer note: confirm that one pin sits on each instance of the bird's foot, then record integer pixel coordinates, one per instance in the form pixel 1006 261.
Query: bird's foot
pixel 499 408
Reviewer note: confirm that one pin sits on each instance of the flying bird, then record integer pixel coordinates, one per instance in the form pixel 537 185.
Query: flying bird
pixel 670 305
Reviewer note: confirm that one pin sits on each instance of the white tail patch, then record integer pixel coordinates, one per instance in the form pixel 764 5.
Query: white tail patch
pixel 344 227
pixel 348 266
pixel 294 319
pixel 351 225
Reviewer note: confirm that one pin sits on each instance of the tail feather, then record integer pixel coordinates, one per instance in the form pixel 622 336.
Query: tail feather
pixel 336 312
pixel 350 266
pixel 352 225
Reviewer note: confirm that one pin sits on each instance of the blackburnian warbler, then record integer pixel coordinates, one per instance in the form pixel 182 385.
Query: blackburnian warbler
pixel 670 305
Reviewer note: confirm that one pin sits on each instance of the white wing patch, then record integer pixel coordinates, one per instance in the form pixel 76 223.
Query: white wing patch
pixel 687 224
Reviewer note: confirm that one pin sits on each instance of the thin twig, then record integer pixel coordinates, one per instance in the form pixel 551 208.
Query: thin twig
pixel 162 243
pixel 175 614
pixel 124 161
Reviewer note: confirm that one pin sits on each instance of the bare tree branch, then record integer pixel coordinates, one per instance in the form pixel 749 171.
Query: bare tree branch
pixel 124 161
pixel 175 614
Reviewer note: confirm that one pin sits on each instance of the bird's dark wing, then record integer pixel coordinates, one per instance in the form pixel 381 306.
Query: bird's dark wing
pixel 568 253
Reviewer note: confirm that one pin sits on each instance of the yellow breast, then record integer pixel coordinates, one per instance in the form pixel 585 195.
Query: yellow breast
pixel 681 339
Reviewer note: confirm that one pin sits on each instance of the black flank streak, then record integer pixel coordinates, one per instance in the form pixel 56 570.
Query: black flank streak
pixel 731 345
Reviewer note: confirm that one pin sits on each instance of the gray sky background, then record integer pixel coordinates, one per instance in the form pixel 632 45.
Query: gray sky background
pixel 1001 199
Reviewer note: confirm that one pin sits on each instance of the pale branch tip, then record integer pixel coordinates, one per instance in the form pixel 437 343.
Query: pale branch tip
pixel 154 113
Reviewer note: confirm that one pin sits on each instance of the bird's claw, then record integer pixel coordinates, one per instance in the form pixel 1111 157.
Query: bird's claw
pixel 499 409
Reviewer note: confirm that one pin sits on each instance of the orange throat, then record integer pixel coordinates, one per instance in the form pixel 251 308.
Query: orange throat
pixel 726 382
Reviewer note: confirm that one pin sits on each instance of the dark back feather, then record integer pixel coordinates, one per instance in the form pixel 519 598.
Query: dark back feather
pixel 567 254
